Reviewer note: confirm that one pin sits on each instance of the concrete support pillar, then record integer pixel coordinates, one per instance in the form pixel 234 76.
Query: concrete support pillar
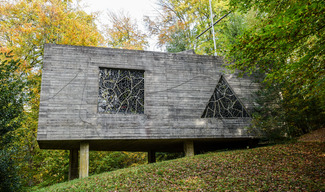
pixel 188 148
pixel 151 157
pixel 73 164
pixel 84 160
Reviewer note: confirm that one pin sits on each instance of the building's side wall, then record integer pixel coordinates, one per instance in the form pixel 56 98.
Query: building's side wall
pixel 177 90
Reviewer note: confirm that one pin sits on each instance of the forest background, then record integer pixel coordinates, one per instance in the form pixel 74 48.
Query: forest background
pixel 279 42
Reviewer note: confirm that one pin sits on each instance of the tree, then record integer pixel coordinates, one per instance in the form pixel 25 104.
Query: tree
pixel 236 25
pixel 176 23
pixel 11 108
pixel 179 23
pixel 110 161
pixel 9 179
pixel 24 28
pixel 11 97
pixel 124 32
pixel 171 25
pixel 287 46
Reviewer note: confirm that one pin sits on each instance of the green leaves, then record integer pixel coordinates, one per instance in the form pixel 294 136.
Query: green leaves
pixel 9 179
pixel 287 45
pixel 11 97
pixel 12 84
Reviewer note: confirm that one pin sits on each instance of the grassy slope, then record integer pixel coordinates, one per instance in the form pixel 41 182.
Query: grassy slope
pixel 285 167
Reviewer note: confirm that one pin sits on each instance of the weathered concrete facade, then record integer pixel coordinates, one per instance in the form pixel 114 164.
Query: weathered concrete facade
pixel 177 88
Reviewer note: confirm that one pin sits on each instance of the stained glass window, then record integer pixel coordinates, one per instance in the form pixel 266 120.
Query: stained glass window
pixel 224 103
pixel 121 91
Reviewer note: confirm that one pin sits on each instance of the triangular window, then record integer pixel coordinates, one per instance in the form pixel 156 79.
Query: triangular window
pixel 224 103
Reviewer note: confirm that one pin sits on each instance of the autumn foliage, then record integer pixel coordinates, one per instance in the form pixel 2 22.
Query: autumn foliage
pixel 24 28
pixel 280 41
pixel 123 32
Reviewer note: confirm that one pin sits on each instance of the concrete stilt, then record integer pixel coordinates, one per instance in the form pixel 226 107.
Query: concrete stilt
pixel 151 157
pixel 84 160
pixel 73 164
pixel 188 148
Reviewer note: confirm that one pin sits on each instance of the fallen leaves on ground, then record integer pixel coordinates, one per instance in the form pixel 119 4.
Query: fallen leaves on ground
pixel 286 167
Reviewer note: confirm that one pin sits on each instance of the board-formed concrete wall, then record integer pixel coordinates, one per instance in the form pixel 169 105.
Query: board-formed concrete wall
pixel 177 89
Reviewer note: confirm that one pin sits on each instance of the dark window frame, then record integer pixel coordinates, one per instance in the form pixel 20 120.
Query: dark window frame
pixel 121 91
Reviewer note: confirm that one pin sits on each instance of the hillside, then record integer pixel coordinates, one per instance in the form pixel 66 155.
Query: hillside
pixel 285 167
pixel 314 136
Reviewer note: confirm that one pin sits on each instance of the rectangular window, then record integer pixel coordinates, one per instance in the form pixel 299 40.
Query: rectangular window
pixel 121 91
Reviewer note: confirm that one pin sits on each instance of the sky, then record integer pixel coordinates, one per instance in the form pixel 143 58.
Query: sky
pixel 135 8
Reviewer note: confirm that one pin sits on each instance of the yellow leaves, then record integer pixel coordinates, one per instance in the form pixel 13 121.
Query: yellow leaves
pixel 39 21
pixel 24 27
pixel 219 6
pixel 124 33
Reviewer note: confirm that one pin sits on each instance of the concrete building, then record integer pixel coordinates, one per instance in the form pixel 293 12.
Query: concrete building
pixel 127 100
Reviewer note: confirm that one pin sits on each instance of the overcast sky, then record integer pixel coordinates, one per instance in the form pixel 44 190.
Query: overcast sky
pixel 136 9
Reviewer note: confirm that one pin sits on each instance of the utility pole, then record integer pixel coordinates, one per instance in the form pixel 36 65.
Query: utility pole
pixel 212 24
pixel 214 40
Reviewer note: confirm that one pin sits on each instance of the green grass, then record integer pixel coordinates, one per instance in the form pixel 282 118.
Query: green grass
pixel 284 167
